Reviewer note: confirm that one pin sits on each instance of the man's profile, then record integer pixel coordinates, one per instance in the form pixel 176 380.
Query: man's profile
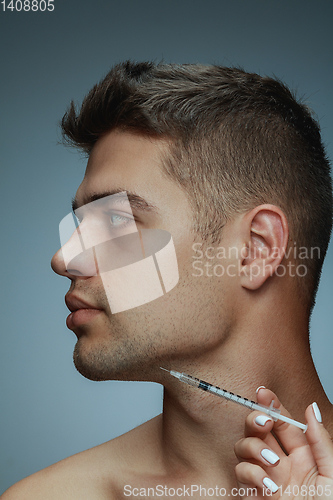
pixel 232 166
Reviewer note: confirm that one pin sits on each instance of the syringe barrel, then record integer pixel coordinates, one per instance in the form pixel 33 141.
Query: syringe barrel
pixel 230 396
pixel 187 379
pixel 240 400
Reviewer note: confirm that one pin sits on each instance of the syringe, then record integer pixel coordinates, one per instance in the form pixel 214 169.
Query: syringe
pixel 205 386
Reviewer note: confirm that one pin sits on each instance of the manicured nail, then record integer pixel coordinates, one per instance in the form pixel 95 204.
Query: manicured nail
pixel 270 484
pixel 316 412
pixel 262 419
pixel 270 456
pixel 260 387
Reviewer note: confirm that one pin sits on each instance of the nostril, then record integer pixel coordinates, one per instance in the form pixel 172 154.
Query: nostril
pixel 75 272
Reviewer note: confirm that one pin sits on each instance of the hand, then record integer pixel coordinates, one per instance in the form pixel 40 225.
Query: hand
pixel 289 464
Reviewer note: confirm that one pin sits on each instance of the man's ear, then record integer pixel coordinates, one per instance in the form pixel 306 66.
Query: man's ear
pixel 266 234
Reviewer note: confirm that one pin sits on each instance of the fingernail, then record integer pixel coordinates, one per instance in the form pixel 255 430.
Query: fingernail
pixel 262 419
pixel 270 484
pixel 270 456
pixel 260 387
pixel 316 412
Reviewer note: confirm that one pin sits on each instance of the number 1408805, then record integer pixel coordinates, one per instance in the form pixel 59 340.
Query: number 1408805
pixel 28 5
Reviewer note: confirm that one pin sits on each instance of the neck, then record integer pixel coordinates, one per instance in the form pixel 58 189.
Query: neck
pixel 200 429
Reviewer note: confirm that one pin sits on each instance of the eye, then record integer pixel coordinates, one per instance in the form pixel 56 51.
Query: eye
pixel 119 221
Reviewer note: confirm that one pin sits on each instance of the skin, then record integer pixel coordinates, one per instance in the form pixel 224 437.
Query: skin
pixel 238 332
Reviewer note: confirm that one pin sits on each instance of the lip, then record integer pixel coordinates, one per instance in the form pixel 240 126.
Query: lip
pixel 81 311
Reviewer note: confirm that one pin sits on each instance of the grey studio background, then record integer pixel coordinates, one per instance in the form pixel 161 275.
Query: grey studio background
pixel 48 411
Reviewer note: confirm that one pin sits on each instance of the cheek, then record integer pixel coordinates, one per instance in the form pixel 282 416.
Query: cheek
pixel 190 315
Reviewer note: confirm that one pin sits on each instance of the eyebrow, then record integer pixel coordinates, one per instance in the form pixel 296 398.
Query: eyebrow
pixel 120 195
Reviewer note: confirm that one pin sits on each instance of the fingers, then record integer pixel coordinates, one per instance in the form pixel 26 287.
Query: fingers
pixel 253 455
pixel 255 449
pixel 250 475
pixel 259 451
pixel 259 425
pixel 319 441
pixel 289 436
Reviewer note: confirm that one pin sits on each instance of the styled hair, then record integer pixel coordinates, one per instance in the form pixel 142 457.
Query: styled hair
pixel 237 140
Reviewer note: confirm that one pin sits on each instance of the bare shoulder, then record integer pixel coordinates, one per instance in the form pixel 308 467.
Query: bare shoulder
pixel 98 473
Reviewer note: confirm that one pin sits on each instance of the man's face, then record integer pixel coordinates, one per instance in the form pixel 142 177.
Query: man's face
pixel 132 344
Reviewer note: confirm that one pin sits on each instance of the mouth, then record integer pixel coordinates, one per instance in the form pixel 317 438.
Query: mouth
pixel 81 311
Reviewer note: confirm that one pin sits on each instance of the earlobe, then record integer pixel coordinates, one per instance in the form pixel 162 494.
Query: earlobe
pixel 267 233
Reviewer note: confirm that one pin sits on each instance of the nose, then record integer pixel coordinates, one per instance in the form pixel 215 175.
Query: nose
pixel 82 265
pixel 72 260
pixel 58 264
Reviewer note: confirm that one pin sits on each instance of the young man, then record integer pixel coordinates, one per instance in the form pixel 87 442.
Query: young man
pixel 233 167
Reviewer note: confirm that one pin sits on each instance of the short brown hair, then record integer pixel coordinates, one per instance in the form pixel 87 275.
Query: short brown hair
pixel 237 140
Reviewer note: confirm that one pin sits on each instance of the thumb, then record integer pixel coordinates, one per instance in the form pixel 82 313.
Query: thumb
pixel 319 441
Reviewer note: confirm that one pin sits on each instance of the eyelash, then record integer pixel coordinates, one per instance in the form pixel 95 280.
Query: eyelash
pixel 128 220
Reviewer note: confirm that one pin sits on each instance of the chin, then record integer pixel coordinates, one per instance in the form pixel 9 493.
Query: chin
pixel 99 365
pixel 91 365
